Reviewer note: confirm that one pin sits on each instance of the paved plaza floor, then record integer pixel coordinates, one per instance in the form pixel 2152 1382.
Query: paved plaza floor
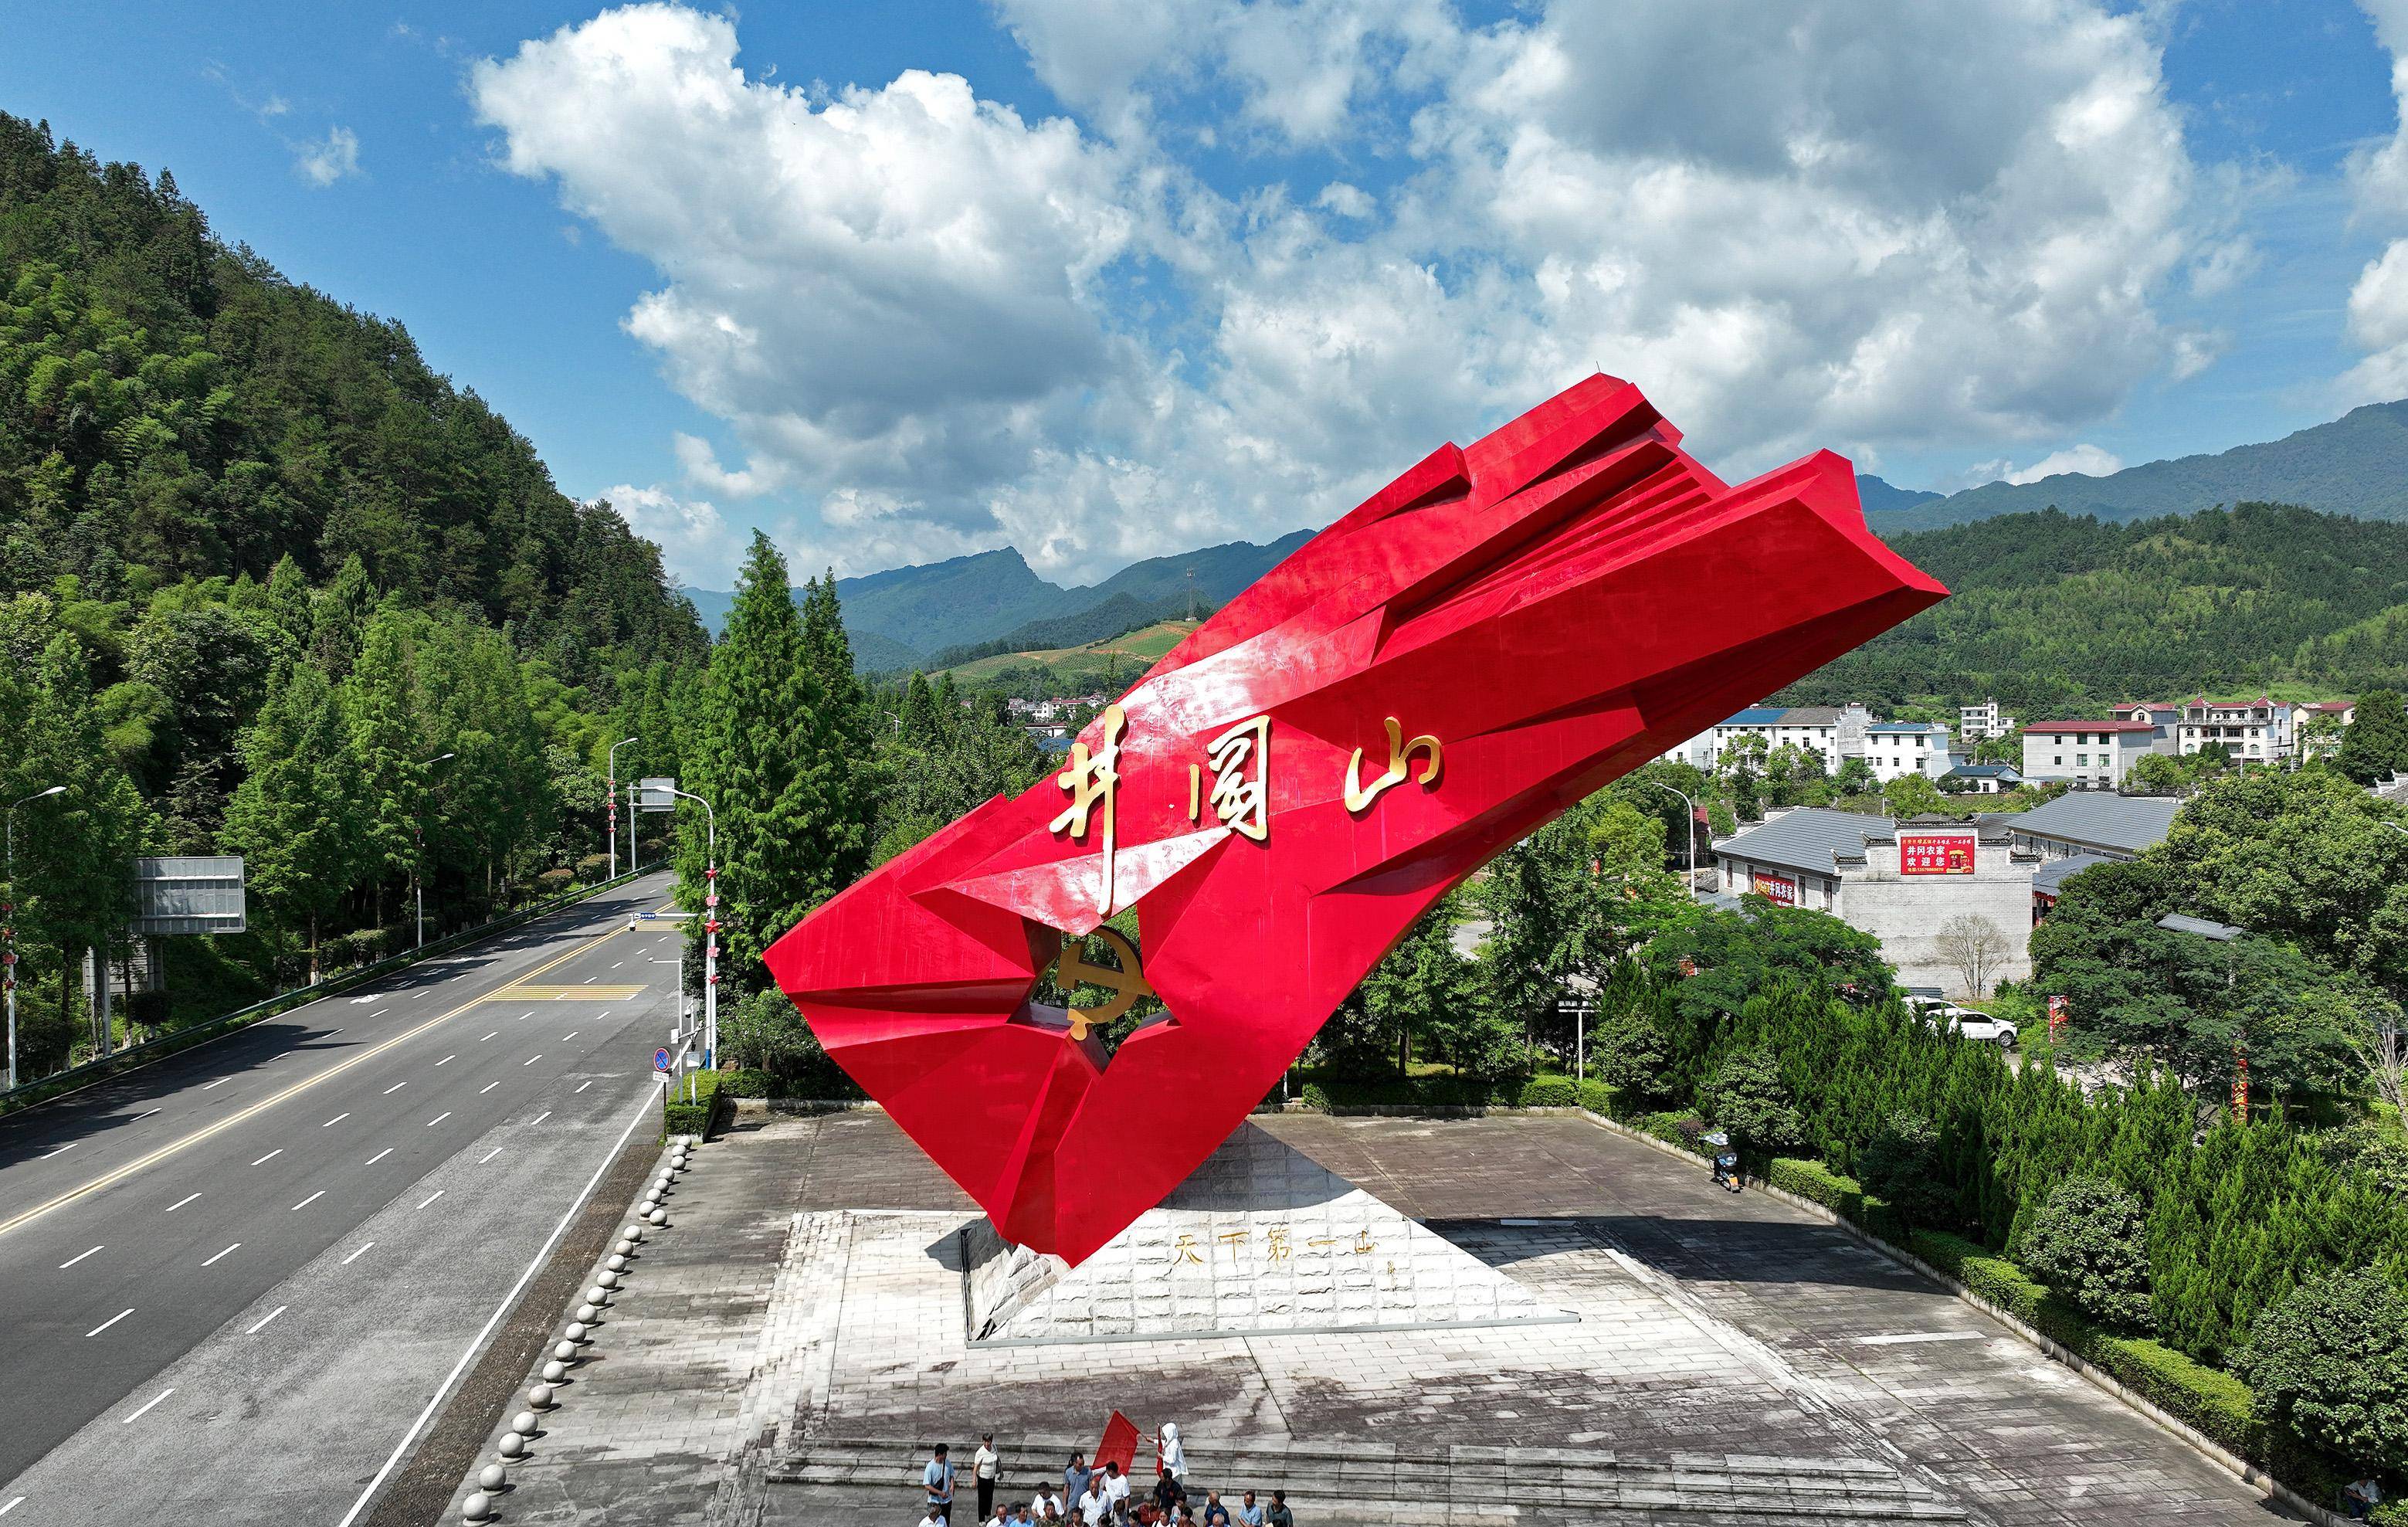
pixel 1734 1361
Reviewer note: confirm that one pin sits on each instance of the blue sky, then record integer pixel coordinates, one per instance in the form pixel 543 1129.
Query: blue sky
pixel 1108 281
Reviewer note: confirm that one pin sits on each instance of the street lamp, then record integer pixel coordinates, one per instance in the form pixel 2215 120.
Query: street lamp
pixel 9 928
pixel 610 794
pixel 1690 816
pixel 709 926
pixel 418 853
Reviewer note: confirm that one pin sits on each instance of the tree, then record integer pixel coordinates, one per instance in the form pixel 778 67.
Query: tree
pixel 1975 946
pixel 765 1030
pixel 1425 987
pixel 2329 1360
pixel 1912 794
pixel 2374 745
pixel 1901 1164
pixel 1631 1051
pixel 1855 778
pixel 2089 1242
pixel 766 753
pixel 297 819
pixel 1746 1097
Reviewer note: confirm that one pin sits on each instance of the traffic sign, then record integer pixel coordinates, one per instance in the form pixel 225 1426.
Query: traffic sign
pixel 660 1059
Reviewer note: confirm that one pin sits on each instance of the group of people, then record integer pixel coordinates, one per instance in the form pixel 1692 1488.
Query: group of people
pixel 1094 1497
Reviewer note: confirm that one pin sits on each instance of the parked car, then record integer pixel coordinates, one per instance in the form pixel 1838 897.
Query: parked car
pixel 1972 1024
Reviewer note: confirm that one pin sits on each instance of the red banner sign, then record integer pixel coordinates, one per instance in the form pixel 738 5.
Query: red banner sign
pixel 1935 853
pixel 1777 889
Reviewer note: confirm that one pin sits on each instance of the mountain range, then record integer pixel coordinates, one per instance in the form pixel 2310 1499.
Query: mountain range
pixel 993 601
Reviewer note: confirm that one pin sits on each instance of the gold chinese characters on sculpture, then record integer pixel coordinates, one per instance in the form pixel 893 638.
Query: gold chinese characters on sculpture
pixel 1241 777
pixel 1401 756
pixel 1127 984
pixel 1092 779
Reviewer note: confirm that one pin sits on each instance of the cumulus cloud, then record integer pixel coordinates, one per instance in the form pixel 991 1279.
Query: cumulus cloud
pixel 698 546
pixel 946 326
pixel 324 161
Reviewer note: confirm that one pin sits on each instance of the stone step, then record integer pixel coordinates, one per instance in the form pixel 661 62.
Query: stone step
pixel 1574 1480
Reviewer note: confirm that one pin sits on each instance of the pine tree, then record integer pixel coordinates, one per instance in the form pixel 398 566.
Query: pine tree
pixel 297 818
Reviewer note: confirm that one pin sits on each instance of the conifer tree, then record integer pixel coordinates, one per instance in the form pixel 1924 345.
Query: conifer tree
pixel 296 819
pixel 2374 745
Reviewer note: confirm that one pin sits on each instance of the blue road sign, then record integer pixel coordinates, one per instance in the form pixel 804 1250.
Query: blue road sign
pixel 660 1059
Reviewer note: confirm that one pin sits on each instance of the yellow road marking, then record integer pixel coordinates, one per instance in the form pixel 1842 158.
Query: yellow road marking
pixel 561 994
pixel 109 1179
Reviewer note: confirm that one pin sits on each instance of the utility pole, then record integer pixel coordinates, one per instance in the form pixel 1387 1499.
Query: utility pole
pixel 418 855
pixel 709 924
pixel 610 794
pixel 9 929
pixel 1689 816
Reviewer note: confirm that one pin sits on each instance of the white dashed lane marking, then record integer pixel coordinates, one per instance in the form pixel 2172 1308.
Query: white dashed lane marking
pixel 487 1087
pixel 76 1258
pixel 489 1155
pixel 220 1082
pixel 378 1156
pixel 582 1086
pixel 306 1201
pixel 265 1319
pixel 430 1198
pixel 110 1321
pixel 482 1038
pixel 394 1087
pixel 61 1150
pixel 222 1253
pixel 182 1201
pixel 270 1155
pixel 145 1409
pixel 337 1119
pixel 357 1255
pixel 532 1059
pixel 438 1118
pixel 141 1116
pixel 540 1118
pixel 447 1060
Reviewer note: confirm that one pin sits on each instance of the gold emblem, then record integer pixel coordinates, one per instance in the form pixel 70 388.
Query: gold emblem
pixel 1400 756
pixel 1127 983
pixel 1241 773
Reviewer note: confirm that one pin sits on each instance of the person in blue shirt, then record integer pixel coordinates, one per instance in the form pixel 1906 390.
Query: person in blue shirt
pixel 1074 1478
pixel 1249 1514
pixel 938 1477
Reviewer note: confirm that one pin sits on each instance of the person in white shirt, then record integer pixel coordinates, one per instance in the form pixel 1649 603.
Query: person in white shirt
pixel 1094 1505
pixel 1047 1506
pixel 933 1518
pixel 983 1470
pixel 1174 1454
pixel 1116 1486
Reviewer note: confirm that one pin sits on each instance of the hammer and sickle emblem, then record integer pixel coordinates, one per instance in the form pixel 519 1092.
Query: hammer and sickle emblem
pixel 1127 983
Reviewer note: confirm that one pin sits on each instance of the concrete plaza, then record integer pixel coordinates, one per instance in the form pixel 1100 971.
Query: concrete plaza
pixel 788 1350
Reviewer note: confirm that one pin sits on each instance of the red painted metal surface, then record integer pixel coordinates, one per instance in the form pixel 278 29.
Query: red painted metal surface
pixel 1553 605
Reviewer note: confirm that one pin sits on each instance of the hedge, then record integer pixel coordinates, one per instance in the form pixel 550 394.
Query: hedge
pixel 700 1117
pixel 1326 1093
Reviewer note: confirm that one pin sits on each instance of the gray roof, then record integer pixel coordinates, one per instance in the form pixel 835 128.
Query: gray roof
pixel 1810 838
pixel 2126 824
pixel 2050 878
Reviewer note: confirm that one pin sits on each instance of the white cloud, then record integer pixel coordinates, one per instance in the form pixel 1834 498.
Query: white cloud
pixel 2379 174
pixel 698 546
pixel 324 162
pixel 944 326
pixel 2082 460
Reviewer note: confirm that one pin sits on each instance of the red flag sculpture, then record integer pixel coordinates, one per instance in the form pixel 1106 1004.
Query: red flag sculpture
pixel 1494 636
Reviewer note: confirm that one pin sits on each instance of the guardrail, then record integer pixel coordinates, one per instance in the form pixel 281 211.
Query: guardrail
pixel 75 1078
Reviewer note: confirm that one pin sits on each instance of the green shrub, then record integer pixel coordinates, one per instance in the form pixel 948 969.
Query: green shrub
pixel 699 1114
pixel 1314 1096
pixel 1749 1100
pixel 1597 1097
pixel 2329 1361
pixel 748 1081
pixel 2215 1402
pixel 1685 1129
pixel 555 882
pixel 1901 1164
pixel 1549 1092
pixel 1632 1051
pixel 2090 1242
pixel 1843 1195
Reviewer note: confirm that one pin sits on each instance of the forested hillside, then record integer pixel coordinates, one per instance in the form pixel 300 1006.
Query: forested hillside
pixel 2054 612
pixel 260 568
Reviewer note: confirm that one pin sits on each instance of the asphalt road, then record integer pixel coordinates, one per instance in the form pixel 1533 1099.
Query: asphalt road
pixel 234 1278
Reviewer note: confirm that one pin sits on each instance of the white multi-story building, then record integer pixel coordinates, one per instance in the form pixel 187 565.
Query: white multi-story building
pixel 2090 754
pixel 1835 731
pixel 2315 742
pixel 1897 748
pixel 1980 722
pixel 2252 730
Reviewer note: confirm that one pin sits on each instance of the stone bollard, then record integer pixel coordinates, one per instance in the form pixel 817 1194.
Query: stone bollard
pixel 616 1263
pixel 565 1353
pixel 597 1296
pixel 556 1372
pixel 513 1446
pixel 525 1423
pixel 632 1232
pixel 624 1248
pixel 479 1507
pixel 576 1332
pixel 659 1219
pixel 492 1479
pixel 607 1278
pixel 587 1315
pixel 540 1397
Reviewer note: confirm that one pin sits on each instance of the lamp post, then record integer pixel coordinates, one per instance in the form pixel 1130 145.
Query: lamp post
pixel 1689 815
pixel 418 855
pixel 709 926
pixel 610 794
pixel 9 928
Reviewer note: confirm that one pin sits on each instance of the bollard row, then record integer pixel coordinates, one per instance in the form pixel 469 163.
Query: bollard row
pixel 566 1354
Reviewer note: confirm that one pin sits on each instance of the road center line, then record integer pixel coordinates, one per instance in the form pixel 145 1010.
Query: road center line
pixel 270 1155
pixel 477 1343
pixel 337 1119
pixel 430 1198
pixel 393 1089
pixel 357 1255
pixel 306 1201
pixel 438 1118
pixel 222 1253
pixel 110 1321
pixel 76 1258
pixel 378 1156
pixel 145 1409
pixel 154 1158
pixel 182 1201
pixel 270 1315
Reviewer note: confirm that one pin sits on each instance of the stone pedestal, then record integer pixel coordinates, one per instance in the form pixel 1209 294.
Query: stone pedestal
pixel 1260 1240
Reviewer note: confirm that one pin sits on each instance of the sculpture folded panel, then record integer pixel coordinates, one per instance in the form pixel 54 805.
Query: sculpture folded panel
pixel 1499 632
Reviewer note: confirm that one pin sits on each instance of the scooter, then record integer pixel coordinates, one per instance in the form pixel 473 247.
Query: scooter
pixel 1725 1161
